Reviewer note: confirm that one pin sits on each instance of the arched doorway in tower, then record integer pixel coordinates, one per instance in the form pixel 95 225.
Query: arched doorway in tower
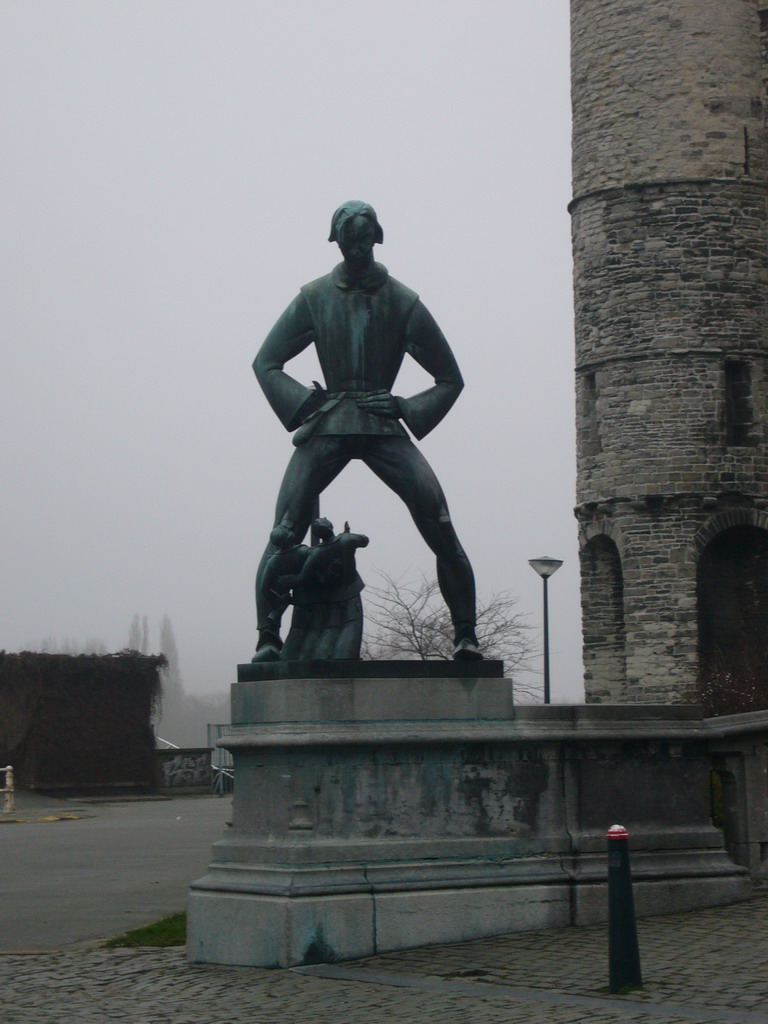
pixel 602 607
pixel 732 607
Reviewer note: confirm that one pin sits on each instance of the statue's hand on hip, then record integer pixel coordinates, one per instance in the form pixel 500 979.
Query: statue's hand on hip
pixel 380 402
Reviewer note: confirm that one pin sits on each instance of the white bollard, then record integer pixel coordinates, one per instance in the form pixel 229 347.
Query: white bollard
pixel 8 789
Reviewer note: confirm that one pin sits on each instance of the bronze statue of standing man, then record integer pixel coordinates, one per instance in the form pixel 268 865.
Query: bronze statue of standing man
pixel 362 322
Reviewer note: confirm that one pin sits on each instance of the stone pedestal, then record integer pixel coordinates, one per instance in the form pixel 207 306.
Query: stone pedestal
pixel 378 814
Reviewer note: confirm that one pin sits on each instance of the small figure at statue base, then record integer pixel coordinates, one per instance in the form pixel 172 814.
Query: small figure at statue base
pixel 324 586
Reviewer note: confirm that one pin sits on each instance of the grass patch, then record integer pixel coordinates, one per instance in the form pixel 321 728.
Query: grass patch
pixel 171 931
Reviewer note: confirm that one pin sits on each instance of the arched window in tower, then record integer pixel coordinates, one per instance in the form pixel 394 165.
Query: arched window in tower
pixel 739 406
pixel 732 606
pixel 588 426
pixel 602 603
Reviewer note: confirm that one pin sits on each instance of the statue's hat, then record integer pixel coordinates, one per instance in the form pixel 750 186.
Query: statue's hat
pixel 354 208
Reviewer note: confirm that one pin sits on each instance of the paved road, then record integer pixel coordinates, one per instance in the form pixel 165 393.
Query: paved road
pixel 117 866
pixel 707 967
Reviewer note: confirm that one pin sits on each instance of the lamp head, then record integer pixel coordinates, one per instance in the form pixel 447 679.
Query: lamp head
pixel 545 567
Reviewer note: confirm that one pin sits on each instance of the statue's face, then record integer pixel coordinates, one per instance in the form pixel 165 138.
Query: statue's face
pixel 357 239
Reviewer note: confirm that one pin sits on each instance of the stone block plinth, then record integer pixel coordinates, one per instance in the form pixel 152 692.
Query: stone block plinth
pixel 378 814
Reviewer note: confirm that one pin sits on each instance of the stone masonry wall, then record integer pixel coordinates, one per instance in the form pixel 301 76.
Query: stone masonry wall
pixel 670 267
pixel 670 242
pixel 664 89
pixel 661 429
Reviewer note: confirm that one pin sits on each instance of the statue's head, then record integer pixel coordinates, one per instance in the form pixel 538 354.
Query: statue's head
pixel 355 215
pixel 322 529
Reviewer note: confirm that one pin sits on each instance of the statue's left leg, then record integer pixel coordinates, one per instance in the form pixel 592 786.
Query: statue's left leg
pixel 400 464
pixel 311 468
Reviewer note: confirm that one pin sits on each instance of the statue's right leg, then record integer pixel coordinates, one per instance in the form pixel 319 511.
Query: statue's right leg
pixel 313 466
pixel 400 464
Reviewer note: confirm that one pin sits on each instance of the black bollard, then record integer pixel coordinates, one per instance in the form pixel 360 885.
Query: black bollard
pixel 623 952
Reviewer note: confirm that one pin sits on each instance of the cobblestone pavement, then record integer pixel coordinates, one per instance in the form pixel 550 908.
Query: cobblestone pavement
pixel 707 966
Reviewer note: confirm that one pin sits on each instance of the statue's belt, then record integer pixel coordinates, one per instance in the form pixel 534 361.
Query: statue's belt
pixel 312 422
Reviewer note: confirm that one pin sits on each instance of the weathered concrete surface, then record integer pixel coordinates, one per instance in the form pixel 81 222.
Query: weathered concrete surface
pixel 67 882
pixel 350 669
pixel 356 833
pixel 361 699
pixel 739 751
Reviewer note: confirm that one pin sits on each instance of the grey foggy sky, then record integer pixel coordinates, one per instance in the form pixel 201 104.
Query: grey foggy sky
pixel 170 171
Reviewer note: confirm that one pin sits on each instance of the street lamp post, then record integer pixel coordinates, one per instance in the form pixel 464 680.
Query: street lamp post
pixel 546 567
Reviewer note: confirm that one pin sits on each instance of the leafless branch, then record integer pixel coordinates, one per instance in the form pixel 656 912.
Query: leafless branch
pixel 408 619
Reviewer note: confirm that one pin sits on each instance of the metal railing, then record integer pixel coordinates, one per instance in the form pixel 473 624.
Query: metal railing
pixel 8 789
pixel 221 761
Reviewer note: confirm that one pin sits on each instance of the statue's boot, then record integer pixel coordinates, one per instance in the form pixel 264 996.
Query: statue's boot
pixel 268 647
pixel 466 647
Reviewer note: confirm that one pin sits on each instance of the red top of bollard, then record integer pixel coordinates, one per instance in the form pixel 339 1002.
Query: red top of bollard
pixel 617 832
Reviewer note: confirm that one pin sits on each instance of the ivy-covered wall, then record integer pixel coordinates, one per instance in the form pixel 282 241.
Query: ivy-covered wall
pixel 79 722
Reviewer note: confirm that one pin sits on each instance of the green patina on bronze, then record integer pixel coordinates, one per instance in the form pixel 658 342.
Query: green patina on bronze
pixel 362 323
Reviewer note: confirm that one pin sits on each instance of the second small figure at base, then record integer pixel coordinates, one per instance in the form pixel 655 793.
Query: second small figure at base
pixel 324 586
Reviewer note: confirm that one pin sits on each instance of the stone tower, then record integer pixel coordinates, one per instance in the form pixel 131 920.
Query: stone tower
pixel 670 247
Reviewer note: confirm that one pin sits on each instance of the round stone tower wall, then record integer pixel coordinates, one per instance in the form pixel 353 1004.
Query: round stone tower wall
pixel 670 246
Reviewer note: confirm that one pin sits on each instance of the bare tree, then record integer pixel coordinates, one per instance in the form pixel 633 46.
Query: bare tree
pixel 734 682
pixel 69 645
pixel 184 716
pixel 410 620
pixel 134 634
pixel 170 650
pixel 138 634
